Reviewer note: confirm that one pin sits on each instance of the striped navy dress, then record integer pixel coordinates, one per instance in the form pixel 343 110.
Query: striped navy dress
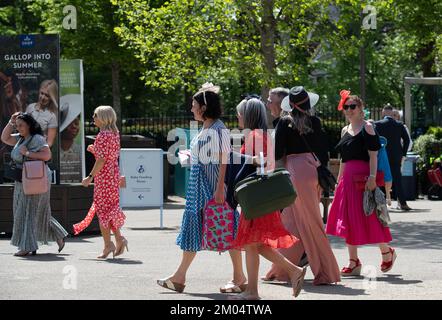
pixel 203 179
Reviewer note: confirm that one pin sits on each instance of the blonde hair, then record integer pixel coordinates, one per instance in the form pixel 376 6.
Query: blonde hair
pixel 107 115
pixel 52 87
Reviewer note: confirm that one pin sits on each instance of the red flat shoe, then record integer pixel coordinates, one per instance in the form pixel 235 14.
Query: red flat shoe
pixel 388 265
pixel 352 272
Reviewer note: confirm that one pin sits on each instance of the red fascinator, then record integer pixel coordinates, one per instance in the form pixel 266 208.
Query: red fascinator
pixel 344 96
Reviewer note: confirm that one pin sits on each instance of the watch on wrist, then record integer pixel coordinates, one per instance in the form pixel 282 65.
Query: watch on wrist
pixel 90 176
pixel 27 153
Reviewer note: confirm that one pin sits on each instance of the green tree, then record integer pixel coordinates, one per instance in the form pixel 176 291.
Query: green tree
pixel 245 42
pixel 93 40
pixel 16 18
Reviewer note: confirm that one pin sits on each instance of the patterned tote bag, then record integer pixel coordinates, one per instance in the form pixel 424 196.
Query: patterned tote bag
pixel 217 226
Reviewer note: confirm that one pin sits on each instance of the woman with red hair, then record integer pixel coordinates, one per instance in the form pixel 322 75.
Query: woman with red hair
pixel 359 146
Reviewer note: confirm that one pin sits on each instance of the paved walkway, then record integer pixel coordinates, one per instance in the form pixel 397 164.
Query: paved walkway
pixel 77 274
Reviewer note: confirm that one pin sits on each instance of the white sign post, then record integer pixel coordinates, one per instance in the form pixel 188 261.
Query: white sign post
pixel 143 169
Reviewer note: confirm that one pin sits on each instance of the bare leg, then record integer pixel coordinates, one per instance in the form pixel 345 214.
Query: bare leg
pixel 388 192
pixel 385 248
pixel 238 272
pixel 106 235
pixel 108 244
pixel 118 236
pixel 180 274
pixel 353 254
pixel 278 259
pixel 252 264
pixel 121 242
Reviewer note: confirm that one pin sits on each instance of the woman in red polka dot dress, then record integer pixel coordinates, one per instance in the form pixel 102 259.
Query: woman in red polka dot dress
pixel 106 174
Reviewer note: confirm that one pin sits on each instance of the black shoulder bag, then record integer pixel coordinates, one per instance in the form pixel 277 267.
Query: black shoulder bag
pixel 326 179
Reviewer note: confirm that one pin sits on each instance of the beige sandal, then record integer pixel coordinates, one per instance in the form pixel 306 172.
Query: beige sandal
pixel 297 285
pixel 168 284
pixel 230 287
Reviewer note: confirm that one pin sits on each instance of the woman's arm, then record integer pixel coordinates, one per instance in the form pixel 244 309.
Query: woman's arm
pixel 52 134
pixel 98 165
pixel 8 130
pixel 371 182
pixel 43 154
pixel 6 135
pixel 342 164
pixel 280 139
pixel 341 170
pixel 219 193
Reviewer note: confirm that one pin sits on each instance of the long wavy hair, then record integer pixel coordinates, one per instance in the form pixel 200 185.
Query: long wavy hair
pixel 52 87
pixel 301 121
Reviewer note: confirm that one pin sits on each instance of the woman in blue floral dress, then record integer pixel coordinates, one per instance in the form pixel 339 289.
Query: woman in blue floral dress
pixel 209 153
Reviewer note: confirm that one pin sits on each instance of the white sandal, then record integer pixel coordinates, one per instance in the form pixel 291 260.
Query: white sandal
pixel 231 287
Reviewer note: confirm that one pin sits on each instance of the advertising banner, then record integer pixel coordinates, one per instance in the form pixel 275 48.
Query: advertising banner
pixel 72 158
pixel 29 82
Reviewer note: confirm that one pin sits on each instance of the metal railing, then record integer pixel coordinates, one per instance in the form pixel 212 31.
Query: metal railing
pixel 157 125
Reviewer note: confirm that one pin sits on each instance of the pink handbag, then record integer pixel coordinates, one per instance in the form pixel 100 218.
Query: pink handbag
pixel 122 182
pixel 35 177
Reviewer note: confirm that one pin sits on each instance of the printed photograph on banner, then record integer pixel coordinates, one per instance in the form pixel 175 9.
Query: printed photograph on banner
pixel 72 158
pixel 29 82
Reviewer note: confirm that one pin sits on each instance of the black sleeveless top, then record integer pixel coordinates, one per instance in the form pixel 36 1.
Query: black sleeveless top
pixel 356 147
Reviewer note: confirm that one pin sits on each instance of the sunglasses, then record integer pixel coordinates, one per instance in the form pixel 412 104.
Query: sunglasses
pixel 351 106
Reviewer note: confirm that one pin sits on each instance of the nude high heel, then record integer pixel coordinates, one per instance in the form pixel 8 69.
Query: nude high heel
pixel 107 251
pixel 124 244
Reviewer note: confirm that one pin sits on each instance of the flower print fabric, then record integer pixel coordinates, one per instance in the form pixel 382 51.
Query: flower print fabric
pixel 106 202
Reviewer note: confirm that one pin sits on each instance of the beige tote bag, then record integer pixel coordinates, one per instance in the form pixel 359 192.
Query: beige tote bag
pixel 35 177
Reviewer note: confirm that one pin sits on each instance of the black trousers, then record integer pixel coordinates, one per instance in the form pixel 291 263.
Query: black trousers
pixel 395 167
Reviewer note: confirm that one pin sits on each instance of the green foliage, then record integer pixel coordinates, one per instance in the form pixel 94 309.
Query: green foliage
pixel 429 148
pixel 436 132
pixel 166 49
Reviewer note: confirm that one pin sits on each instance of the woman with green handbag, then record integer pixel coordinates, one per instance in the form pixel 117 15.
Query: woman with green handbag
pixel 262 235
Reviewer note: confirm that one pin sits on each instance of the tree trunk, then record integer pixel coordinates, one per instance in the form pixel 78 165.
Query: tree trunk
pixel 268 34
pixel 116 92
pixel 362 73
pixel 426 59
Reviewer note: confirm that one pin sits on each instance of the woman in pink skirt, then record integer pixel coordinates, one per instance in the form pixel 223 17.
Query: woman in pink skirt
pixel 358 148
pixel 297 134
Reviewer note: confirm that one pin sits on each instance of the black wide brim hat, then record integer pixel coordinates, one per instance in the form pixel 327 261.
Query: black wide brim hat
pixel 301 98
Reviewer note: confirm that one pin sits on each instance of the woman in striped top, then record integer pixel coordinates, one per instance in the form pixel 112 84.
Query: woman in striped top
pixel 209 156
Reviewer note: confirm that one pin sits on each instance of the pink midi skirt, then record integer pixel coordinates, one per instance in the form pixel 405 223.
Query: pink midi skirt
pixel 347 218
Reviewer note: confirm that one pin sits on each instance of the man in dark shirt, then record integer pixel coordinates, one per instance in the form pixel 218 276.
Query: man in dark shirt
pixel 274 102
pixel 395 131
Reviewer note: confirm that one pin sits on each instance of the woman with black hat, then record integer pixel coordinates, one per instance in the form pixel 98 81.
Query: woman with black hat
pixel 297 134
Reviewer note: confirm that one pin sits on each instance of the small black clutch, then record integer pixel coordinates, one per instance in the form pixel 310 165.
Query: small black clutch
pixel 12 172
